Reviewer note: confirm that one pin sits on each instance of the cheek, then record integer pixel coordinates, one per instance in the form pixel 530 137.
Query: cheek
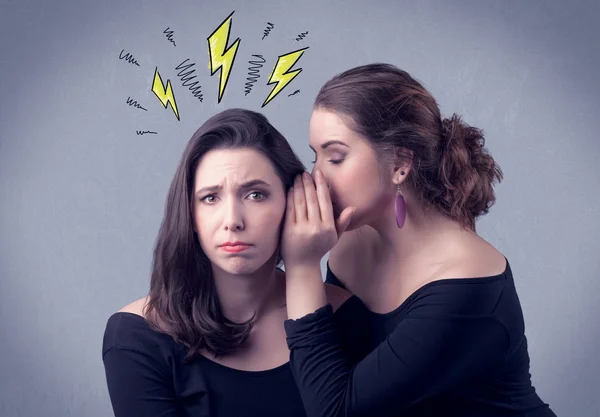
pixel 354 183
pixel 202 226
pixel 269 221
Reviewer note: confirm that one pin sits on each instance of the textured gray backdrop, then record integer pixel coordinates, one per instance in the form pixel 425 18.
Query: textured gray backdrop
pixel 82 194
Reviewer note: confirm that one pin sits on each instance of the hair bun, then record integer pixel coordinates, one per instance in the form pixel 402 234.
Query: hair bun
pixel 466 169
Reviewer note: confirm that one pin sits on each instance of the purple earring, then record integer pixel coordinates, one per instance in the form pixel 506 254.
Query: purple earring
pixel 400 208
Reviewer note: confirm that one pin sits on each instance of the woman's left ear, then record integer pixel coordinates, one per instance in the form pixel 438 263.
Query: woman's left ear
pixel 404 158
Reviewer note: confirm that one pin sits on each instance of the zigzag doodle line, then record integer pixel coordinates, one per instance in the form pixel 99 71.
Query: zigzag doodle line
pixel 301 36
pixel 135 104
pixel 169 34
pixel 266 32
pixel 128 57
pixel 187 77
pixel 253 72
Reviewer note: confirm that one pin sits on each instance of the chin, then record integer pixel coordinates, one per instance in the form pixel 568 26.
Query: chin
pixel 352 226
pixel 246 265
pixel 240 267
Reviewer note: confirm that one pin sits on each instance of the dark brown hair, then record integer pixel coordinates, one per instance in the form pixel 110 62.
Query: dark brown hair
pixel 451 169
pixel 183 300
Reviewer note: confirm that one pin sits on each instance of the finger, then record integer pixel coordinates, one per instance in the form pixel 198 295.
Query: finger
pixel 299 200
pixel 290 211
pixel 325 205
pixel 342 222
pixel 312 202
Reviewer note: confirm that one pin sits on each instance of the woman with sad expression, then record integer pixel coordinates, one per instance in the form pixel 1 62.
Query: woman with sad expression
pixel 208 340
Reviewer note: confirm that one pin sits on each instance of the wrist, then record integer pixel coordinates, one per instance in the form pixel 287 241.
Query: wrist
pixel 305 291
pixel 303 269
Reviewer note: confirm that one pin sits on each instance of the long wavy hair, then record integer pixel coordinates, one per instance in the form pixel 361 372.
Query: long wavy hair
pixel 183 301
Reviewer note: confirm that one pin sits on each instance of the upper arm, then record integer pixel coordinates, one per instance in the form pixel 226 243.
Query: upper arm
pixel 336 296
pixel 137 384
pixel 422 358
pixel 138 374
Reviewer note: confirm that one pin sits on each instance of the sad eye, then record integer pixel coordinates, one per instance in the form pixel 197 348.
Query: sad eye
pixel 208 199
pixel 257 195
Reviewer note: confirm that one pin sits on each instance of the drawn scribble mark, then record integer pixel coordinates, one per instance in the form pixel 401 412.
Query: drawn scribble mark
pixel 135 104
pixel 128 58
pixel 281 74
pixel 301 36
pixel 294 93
pixel 165 95
pixel 187 77
pixel 253 75
pixel 169 34
pixel 266 32
pixel 144 132
pixel 219 57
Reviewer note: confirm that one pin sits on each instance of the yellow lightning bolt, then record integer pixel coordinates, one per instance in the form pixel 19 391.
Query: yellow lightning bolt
pixel 219 57
pixel 281 73
pixel 164 95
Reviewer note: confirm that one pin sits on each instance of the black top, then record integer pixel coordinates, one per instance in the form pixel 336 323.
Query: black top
pixel 455 347
pixel 147 377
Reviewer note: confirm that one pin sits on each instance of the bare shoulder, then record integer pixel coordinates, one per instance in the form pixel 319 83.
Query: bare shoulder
pixel 352 253
pixel 476 259
pixel 336 296
pixel 137 307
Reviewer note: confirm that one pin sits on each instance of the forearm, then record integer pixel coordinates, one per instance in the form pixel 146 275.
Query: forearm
pixel 305 291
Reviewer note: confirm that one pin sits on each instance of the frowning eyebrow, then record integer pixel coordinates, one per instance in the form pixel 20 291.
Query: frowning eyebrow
pixel 330 142
pixel 214 188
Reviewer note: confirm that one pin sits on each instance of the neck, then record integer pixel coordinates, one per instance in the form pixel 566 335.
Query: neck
pixel 243 296
pixel 422 237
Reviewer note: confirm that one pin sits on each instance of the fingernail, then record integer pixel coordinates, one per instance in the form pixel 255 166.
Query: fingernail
pixel 319 174
pixel 306 175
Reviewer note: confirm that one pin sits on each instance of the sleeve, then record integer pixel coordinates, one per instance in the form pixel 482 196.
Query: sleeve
pixel 137 385
pixel 422 357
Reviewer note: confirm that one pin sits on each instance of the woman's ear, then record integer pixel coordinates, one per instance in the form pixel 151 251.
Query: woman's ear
pixel 402 165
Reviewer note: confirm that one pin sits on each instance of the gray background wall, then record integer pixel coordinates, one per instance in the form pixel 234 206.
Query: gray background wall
pixel 82 195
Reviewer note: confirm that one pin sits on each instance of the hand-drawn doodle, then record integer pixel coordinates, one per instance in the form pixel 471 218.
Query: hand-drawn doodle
pixel 266 32
pixel 301 36
pixel 281 74
pixel 169 34
pixel 187 77
pixel 253 73
pixel 165 95
pixel 221 58
pixel 128 58
pixel 135 104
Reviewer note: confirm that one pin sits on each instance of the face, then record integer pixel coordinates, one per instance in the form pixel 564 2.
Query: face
pixel 239 203
pixel 351 167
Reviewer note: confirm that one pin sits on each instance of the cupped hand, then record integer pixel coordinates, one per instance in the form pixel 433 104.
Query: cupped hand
pixel 310 230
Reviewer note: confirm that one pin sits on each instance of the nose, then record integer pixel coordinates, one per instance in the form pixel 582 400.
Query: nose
pixel 233 219
pixel 314 171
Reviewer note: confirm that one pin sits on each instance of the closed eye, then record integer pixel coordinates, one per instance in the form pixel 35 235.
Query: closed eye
pixel 333 161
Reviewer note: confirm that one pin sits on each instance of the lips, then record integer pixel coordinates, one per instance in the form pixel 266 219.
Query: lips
pixel 235 247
